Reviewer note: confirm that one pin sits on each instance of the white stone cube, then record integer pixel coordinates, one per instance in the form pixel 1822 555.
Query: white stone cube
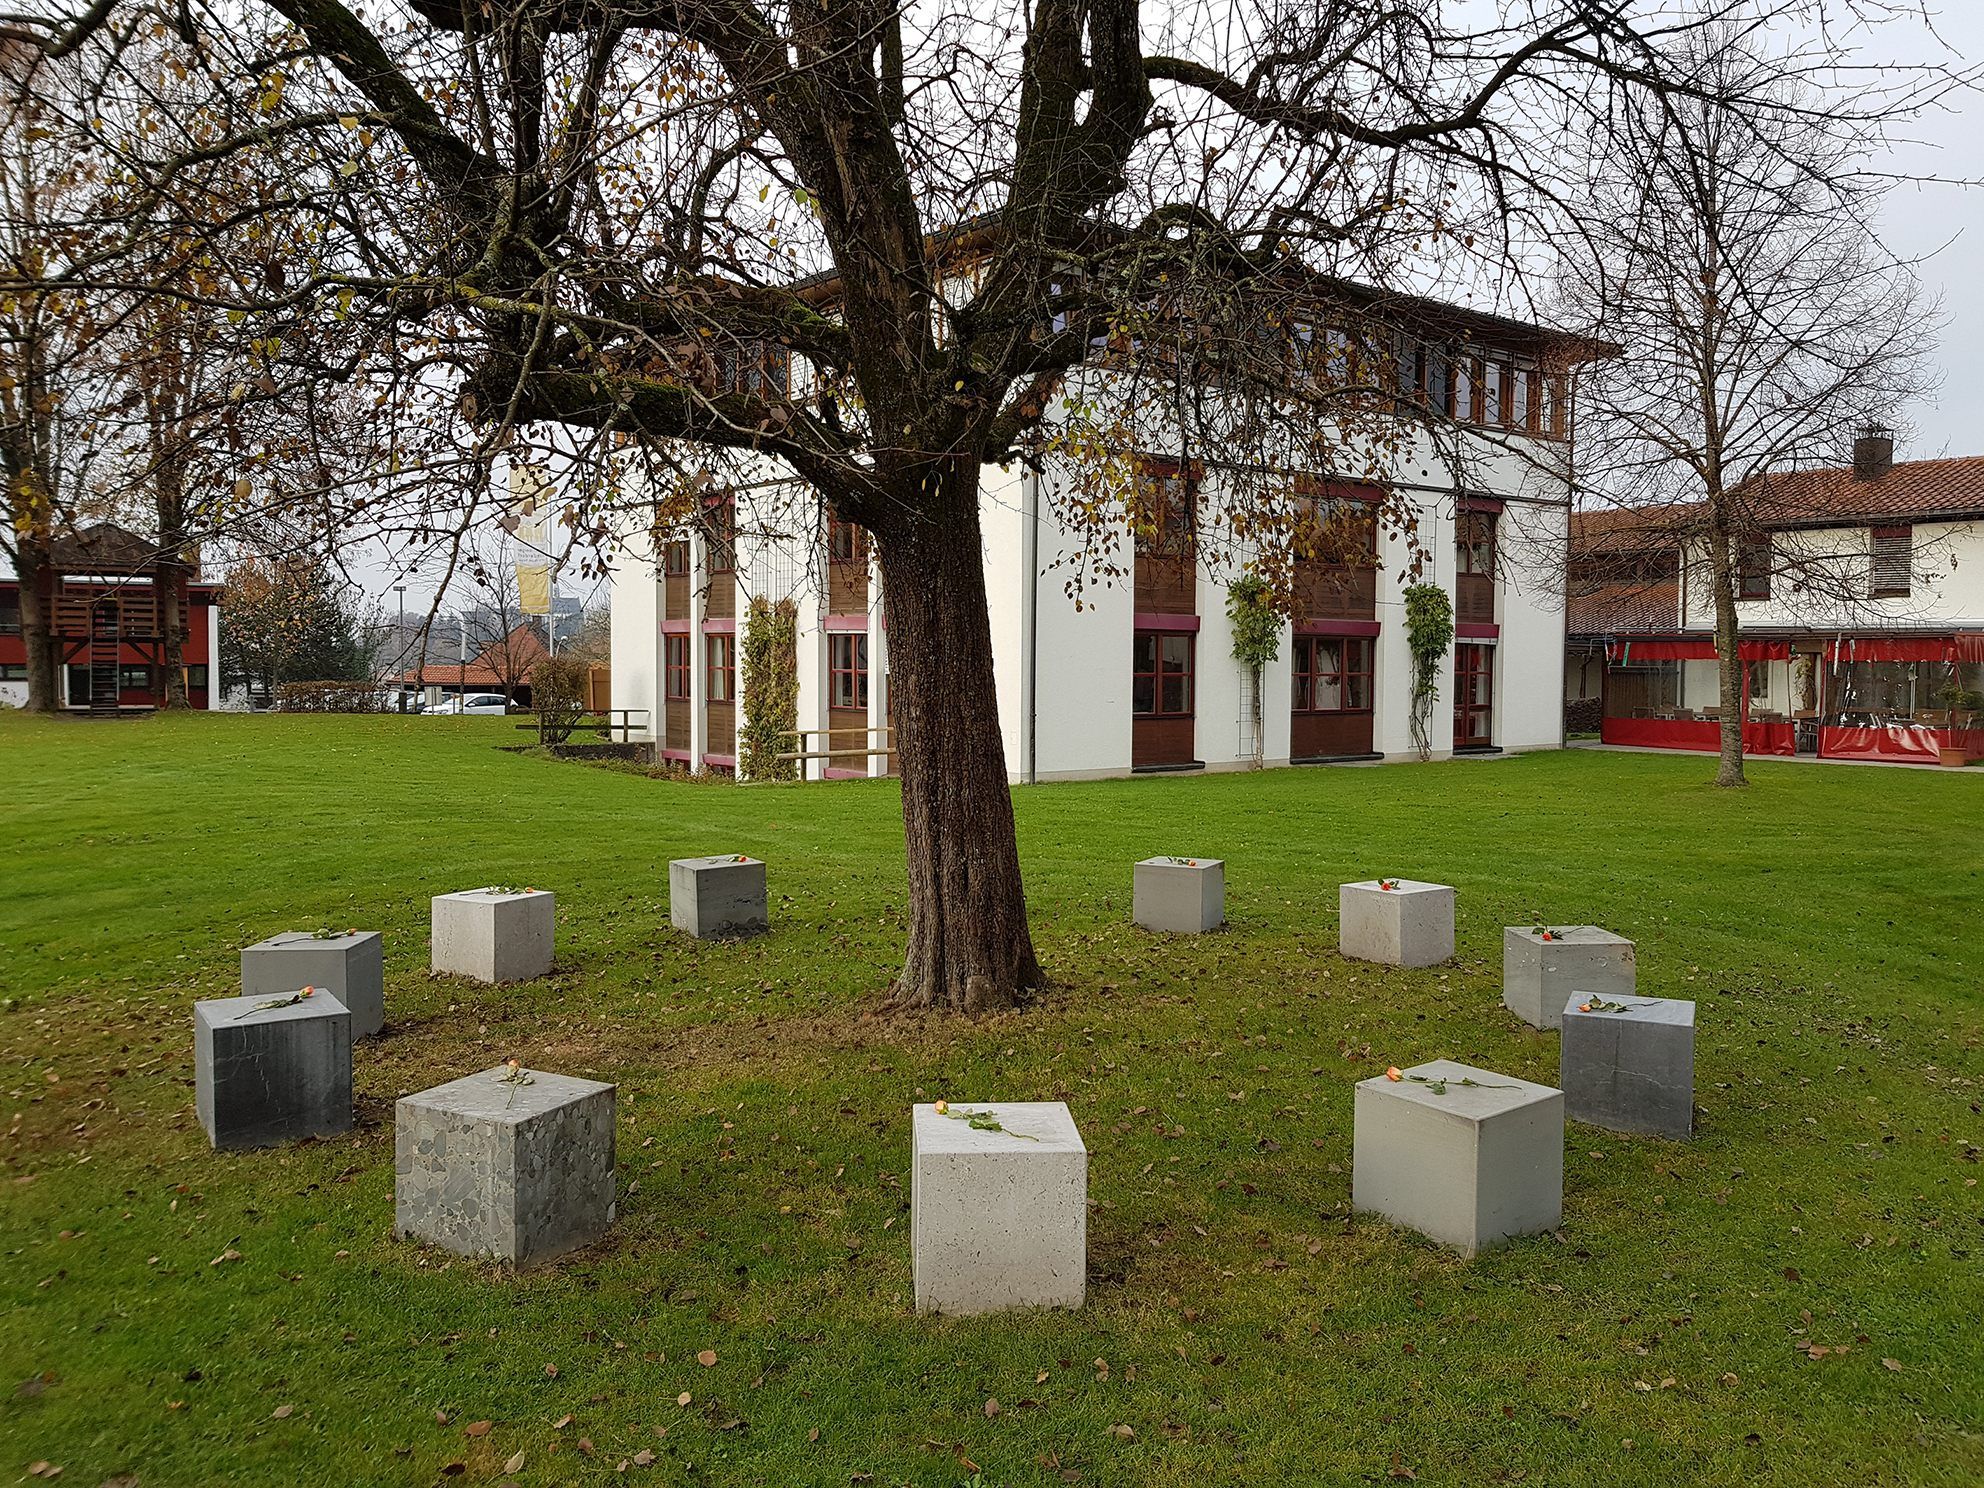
pixel 718 898
pixel 1467 1165
pixel 494 935
pixel 1628 1063
pixel 515 1170
pixel 264 1075
pixel 1537 974
pixel 998 1219
pixel 349 964
pixel 1411 924
pixel 1184 896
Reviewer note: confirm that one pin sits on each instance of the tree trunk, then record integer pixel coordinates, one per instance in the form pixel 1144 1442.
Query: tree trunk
pixel 37 635
pixel 1729 660
pixel 969 947
pixel 171 594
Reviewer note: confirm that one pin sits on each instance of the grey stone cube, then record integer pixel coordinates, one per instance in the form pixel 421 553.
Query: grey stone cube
pixel 1410 925
pixel 998 1221
pixel 517 1173
pixel 1468 1168
pixel 270 1075
pixel 1632 1070
pixel 718 898
pixel 351 966
pixel 1185 896
pixel 1538 973
pixel 494 935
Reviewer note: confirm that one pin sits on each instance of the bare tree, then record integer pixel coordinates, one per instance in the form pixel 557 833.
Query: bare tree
pixel 1761 324
pixel 879 247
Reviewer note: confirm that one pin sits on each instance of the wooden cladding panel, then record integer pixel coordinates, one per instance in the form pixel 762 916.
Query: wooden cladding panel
pixel 1162 741
pixel 1474 599
pixel 847 588
pixel 721 603
pixel 722 719
pixel 676 593
pixel 675 724
pixel 1319 735
pixel 848 739
pixel 1329 591
pixel 1166 585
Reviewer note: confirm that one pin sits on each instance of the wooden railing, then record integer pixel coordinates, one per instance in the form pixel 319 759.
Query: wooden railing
pixel 833 752
pixel 140 615
pixel 618 724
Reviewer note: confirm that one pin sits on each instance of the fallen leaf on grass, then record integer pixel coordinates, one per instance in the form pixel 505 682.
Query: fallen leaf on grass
pixel 43 1470
pixel 476 1428
pixel 684 1398
pixel 707 1358
pixel 515 1464
pixel 561 1423
pixel 1893 1365
pixel 230 1254
pixel 991 1409
pixel 643 1457
pixel 1126 1433
pixel 281 1412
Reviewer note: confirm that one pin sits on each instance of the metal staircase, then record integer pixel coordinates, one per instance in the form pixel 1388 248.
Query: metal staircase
pixel 103 658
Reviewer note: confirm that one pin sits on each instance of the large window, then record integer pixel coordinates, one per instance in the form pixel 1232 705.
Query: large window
pixel 1166 518
pixel 720 529
pixel 675 668
pixel 720 657
pixel 675 557
pixel 1161 685
pixel 847 670
pixel 846 542
pixel 13 671
pixel 1753 565
pixel 1893 562
pixel 196 678
pixel 10 616
pixel 134 678
pixel 1474 543
pixel 1332 674
pixel 1474 696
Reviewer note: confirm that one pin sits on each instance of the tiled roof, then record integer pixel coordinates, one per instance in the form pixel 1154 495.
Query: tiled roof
pixel 1915 490
pixel 495 666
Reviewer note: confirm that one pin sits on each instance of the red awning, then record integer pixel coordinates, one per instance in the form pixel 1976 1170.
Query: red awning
pixel 1695 648
pixel 1892 648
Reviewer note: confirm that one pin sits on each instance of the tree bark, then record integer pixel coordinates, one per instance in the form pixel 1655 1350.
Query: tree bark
pixel 170 591
pixel 969 947
pixel 1729 660
pixel 37 633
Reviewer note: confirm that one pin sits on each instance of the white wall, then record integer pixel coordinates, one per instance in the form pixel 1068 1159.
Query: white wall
pixel 635 631
pixel 1947 588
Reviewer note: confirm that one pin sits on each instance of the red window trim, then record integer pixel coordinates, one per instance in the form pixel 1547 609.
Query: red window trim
pixel 856 670
pixel 1344 672
pixel 727 642
pixel 670 668
pixel 1190 672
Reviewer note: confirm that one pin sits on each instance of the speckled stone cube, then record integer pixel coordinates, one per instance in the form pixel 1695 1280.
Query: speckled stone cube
pixel 998 1221
pixel 1537 973
pixel 351 966
pixel 267 1075
pixel 517 1173
pixel 494 935
pixel 1409 925
pixel 718 898
pixel 1470 1166
pixel 1631 1070
pixel 1184 896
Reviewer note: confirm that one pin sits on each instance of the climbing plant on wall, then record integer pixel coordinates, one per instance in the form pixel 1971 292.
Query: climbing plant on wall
pixel 1256 639
pixel 1429 632
pixel 770 664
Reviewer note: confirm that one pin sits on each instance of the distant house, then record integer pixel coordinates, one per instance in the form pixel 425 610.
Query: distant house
pixel 1860 605
pixel 504 666
pixel 108 619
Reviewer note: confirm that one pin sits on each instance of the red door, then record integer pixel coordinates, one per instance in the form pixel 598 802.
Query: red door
pixel 1474 696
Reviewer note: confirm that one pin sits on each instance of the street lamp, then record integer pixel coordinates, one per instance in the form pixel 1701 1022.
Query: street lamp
pixel 399 642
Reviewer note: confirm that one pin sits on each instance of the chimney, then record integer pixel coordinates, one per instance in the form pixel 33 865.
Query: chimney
pixel 1873 452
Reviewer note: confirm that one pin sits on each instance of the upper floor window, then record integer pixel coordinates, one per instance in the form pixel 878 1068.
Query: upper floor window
pixel 1336 525
pixel 846 542
pixel 1165 498
pixel 756 368
pixel 720 531
pixel 675 557
pixel 1474 543
pixel 1893 562
pixel 1753 566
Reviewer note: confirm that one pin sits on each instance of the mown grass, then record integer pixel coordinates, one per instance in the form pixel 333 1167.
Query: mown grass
pixel 1242 1324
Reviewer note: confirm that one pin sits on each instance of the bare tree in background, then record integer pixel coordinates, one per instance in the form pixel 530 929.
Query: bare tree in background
pixel 1761 322
pixel 881 247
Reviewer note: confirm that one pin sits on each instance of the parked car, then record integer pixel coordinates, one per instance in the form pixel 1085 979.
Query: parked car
pixel 480 703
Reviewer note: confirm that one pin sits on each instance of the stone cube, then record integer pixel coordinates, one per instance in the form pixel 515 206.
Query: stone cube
pixel 1467 1165
pixel 514 1170
pixel 1411 924
pixel 997 1220
pixel 1538 973
pixel 351 965
pixel 1630 1070
pixel 494 935
pixel 1185 896
pixel 263 1075
pixel 718 898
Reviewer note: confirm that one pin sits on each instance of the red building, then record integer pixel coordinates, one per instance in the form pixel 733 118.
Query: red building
pixel 100 595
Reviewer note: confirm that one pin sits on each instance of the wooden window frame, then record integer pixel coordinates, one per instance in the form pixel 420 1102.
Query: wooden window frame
pixel 675 557
pixel 1755 557
pixel 1464 705
pixel 847 663
pixel 720 533
pixel 720 667
pixel 1160 671
pixel 1165 541
pixel 1467 526
pixel 847 542
pixel 675 668
pixel 1358 649
pixel 1893 589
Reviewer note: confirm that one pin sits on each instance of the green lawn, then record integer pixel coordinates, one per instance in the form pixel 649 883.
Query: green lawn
pixel 1792 1297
